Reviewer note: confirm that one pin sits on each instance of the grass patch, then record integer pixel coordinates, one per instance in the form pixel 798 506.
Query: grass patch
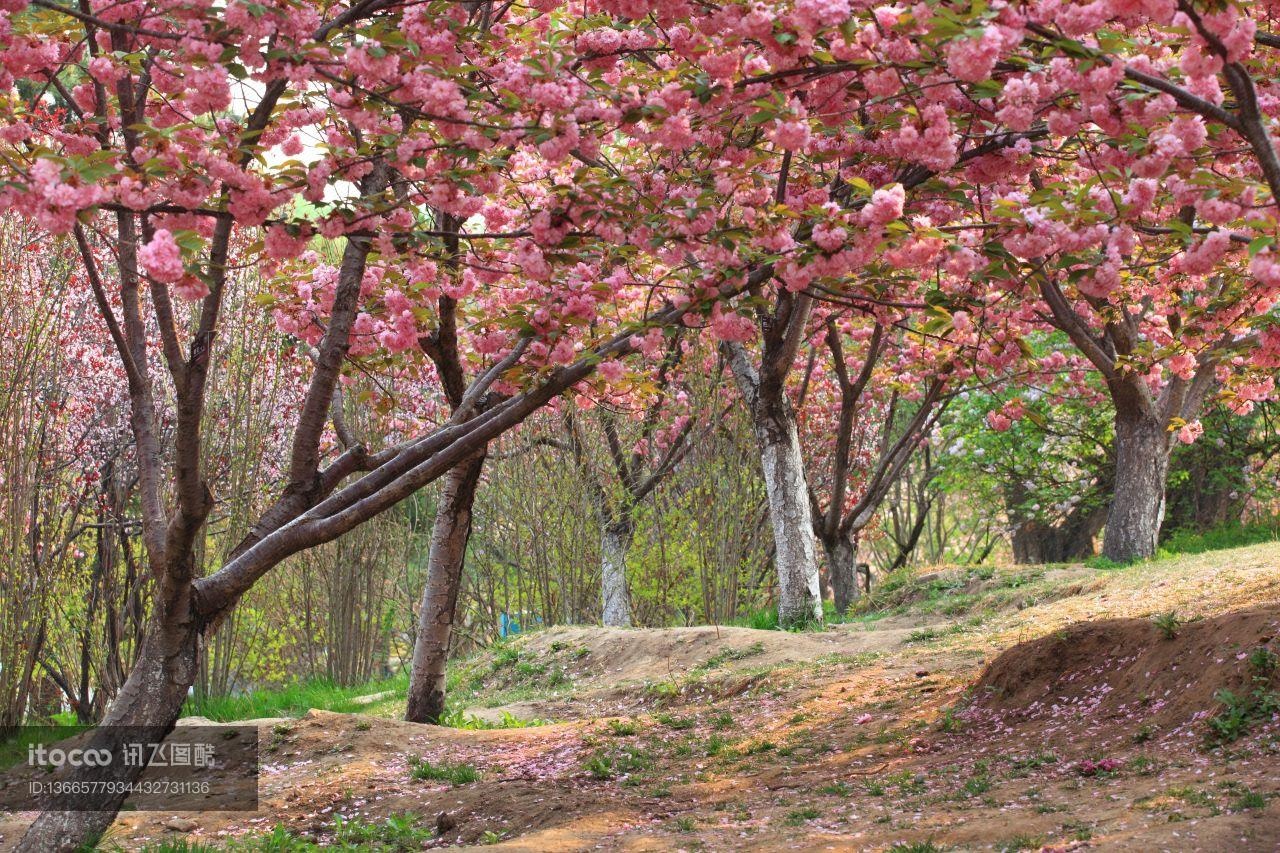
pixel 396 834
pixel 455 774
pixel 724 656
pixel 1249 800
pixel 671 721
pixel 615 762
pixel 14 750
pixel 1106 563
pixel 1226 536
pixel 1241 710
pixel 456 718
pixel 800 816
pixel 905 781
pixel 622 728
pixel 292 700
pixel 1167 624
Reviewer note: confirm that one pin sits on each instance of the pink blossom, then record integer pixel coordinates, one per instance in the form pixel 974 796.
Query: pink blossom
pixel 191 288
pixel 281 245
pixel 829 238
pixel 823 13
pixel 972 60
pixel 161 257
pixel 612 370
pixel 730 325
pixel 885 206
pixel 1264 268
pixel 104 70
pixel 790 135
pixel 1190 432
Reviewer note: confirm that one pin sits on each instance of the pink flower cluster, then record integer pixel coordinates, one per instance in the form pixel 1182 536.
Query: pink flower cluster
pixel 161 258
pixel 1089 767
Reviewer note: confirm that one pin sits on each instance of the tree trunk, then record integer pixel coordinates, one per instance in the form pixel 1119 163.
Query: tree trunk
pixel 1137 505
pixel 842 565
pixel 795 553
pixel 449 537
pixel 1071 539
pixel 615 542
pixel 151 697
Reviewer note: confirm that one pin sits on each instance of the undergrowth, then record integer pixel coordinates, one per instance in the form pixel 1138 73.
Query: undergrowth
pixel 292 700
pixel 395 834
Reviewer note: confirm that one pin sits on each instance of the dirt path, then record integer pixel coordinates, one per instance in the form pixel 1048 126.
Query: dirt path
pixel 977 719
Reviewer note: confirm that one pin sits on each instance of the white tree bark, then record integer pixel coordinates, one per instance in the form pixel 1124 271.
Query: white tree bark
pixel 615 541
pixel 787 488
pixel 795 557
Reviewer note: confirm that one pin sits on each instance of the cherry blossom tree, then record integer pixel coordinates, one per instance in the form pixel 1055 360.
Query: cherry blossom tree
pixel 868 398
pixel 1145 229
pixel 634 462
pixel 164 138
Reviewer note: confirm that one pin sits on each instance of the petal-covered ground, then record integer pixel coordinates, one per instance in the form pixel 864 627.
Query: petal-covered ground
pixel 1061 708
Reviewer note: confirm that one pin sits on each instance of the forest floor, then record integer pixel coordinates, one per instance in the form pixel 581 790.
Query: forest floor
pixel 1054 708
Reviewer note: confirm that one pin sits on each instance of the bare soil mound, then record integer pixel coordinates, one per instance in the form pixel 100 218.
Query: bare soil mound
pixel 638 655
pixel 1126 672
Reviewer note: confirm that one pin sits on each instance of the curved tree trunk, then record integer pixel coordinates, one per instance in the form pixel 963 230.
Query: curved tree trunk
pixel 795 556
pixel 615 542
pixel 449 535
pixel 151 697
pixel 842 566
pixel 1137 506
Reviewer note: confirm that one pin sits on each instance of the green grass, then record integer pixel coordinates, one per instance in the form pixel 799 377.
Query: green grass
pixel 608 764
pixel 724 656
pixel 1240 710
pixel 672 721
pixel 761 620
pixel 976 785
pixel 457 718
pixel 800 816
pixel 292 700
pixel 1101 562
pixel 767 619
pixel 395 834
pixel 1226 536
pixel 14 750
pixel 1167 624
pixel 622 728
pixel 454 774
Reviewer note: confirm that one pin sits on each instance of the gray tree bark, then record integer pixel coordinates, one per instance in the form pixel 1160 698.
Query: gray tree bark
pixel 449 536
pixel 1142 467
pixel 842 567
pixel 151 697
